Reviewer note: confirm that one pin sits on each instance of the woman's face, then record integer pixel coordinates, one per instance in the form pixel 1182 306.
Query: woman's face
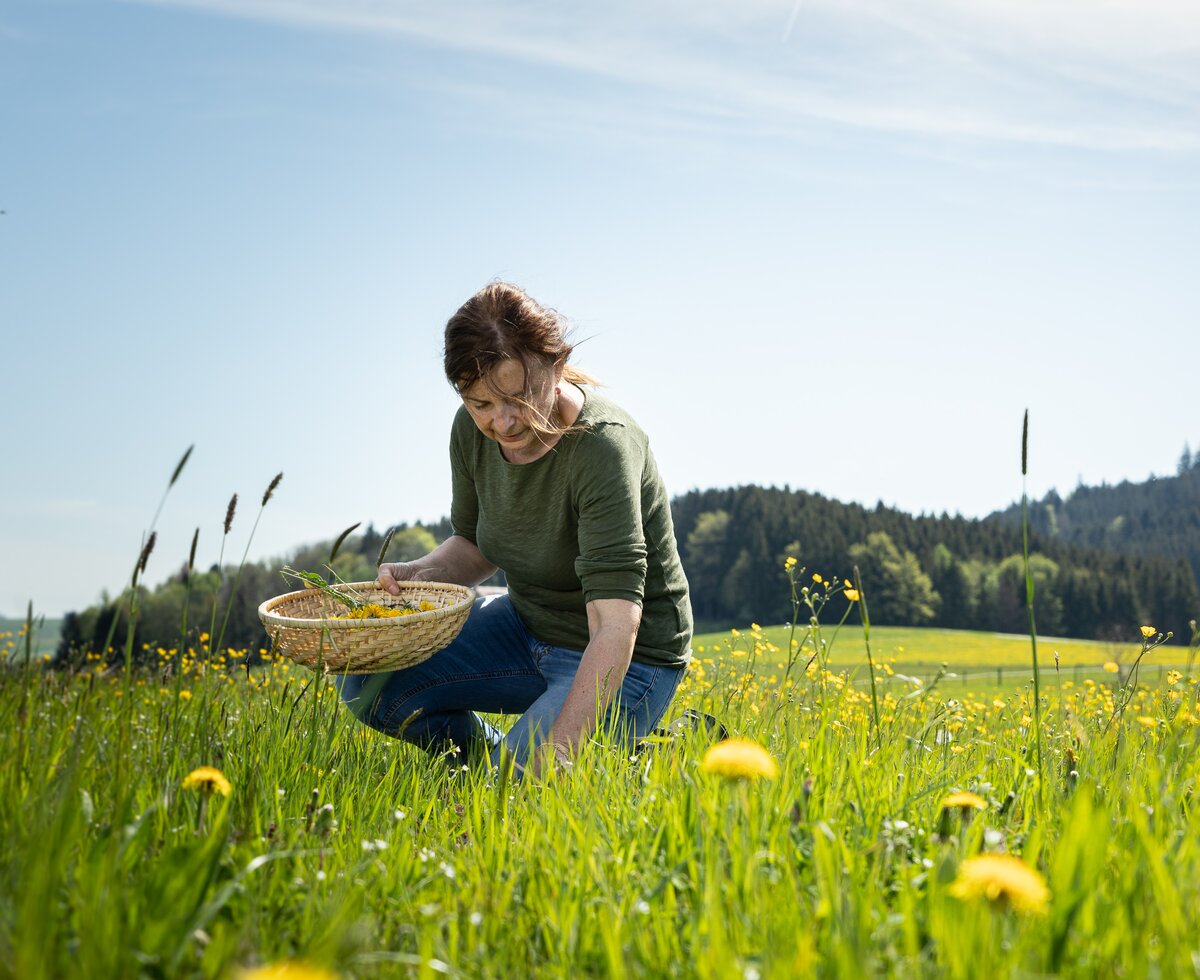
pixel 498 404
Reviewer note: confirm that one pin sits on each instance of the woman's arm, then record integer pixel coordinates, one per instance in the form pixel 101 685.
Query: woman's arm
pixel 457 560
pixel 612 628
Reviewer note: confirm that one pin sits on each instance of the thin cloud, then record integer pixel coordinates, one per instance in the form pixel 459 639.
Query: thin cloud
pixel 1108 77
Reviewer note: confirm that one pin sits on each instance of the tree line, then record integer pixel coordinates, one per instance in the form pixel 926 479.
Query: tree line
pixel 919 571
pixel 944 571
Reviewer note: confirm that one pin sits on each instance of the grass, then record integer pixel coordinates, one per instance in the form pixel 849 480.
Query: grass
pixel 359 855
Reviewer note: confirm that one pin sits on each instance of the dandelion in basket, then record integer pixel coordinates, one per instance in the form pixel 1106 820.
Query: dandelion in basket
pixel 359 606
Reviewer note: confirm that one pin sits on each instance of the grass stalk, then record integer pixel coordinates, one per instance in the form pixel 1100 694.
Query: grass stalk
pixel 1037 677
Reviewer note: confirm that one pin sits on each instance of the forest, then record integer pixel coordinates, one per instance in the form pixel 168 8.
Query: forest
pixel 1105 560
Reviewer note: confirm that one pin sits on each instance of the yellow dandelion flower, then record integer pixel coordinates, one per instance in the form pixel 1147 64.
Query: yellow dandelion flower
pixel 1111 667
pixel 1147 722
pixel 851 594
pixel 1005 881
pixel 1148 631
pixel 207 780
pixel 964 801
pixel 739 758
pixel 287 970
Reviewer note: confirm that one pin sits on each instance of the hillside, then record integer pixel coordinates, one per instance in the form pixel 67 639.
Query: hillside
pixel 1158 517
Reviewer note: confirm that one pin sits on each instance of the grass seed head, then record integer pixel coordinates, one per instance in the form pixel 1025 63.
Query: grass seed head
pixel 229 512
pixel 271 488
pixel 145 555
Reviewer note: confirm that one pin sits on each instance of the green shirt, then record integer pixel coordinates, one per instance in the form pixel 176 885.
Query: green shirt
pixel 588 520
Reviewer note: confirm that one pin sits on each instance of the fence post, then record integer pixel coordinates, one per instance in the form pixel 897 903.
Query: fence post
pixel 1000 676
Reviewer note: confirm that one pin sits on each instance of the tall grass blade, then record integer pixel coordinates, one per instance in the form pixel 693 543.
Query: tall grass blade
pixel 1037 677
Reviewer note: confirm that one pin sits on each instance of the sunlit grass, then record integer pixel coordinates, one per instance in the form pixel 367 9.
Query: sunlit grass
pixel 357 853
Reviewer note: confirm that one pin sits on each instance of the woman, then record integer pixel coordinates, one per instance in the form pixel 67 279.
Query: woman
pixel 555 485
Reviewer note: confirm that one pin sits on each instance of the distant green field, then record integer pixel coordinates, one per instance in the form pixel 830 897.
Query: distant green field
pixel 45 636
pixel 997 658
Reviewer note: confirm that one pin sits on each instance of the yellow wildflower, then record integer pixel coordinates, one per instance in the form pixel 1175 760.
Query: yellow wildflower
pixel 789 563
pixel 739 758
pixel 1147 722
pixel 964 801
pixel 185 694
pixel 1148 631
pixel 1111 667
pixel 287 970
pixel 817 578
pixel 207 780
pixel 1005 881
pixel 851 594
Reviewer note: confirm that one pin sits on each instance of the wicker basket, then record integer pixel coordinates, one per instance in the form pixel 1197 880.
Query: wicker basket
pixel 299 627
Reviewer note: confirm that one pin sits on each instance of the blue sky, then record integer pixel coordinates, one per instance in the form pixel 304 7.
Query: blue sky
pixel 840 246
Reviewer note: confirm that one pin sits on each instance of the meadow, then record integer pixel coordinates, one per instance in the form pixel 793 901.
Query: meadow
pixel 202 818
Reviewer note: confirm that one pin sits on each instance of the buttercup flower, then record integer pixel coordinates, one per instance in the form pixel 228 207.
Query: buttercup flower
pixel 1005 881
pixel 207 780
pixel 739 758
pixel 851 594
pixel 1111 667
pixel 1148 631
pixel 1147 722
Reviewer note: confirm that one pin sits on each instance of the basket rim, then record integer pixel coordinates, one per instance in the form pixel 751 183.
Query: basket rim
pixel 269 617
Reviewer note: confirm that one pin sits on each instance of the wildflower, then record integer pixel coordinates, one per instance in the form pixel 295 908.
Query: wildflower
pixel 851 594
pixel 1147 722
pixel 1111 667
pixel 287 970
pixel 739 758
pixel 207 780
pixel 964 801
pixel 1005 881
pixel 789 563
pixel 817 578
pixel 1148 631
pixel 185 695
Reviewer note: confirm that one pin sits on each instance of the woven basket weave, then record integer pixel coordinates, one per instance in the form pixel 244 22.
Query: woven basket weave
pixel 299 627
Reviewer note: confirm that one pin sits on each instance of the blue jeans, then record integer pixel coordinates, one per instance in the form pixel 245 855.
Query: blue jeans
pixel 496 665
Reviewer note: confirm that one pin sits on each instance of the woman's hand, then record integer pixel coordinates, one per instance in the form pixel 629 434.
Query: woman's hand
pixel 454 560
pixel 391 572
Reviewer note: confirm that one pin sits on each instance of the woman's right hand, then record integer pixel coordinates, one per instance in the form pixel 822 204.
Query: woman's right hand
pixel 391 572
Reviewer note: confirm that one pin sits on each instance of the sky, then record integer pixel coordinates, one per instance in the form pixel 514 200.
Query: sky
pixel 839 246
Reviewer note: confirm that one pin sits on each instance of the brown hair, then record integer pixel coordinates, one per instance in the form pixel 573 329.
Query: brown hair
pixel 502 321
